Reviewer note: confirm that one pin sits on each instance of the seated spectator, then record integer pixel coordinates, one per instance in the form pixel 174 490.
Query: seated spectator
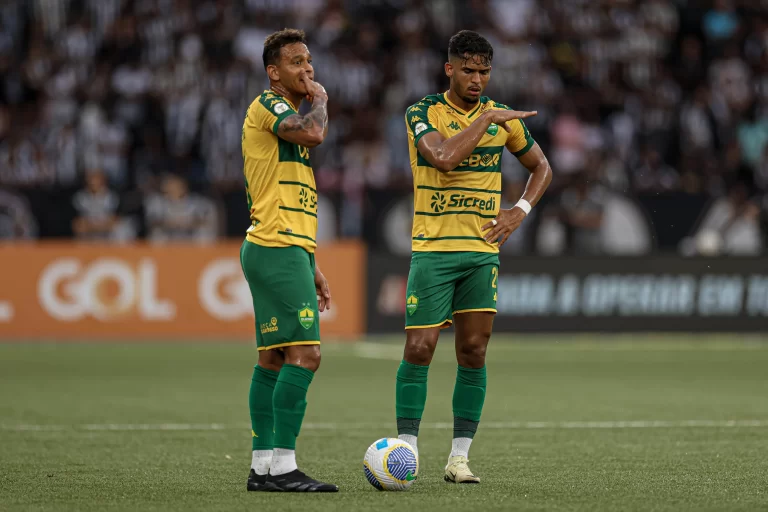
pixel 16 219
pixel 581 210
pixel 730 226
pixel 96 209
pixel 176 214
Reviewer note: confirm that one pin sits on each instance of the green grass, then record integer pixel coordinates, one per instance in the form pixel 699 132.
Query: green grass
pixel 56 454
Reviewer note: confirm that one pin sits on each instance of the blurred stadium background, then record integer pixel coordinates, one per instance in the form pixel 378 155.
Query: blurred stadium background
pixel 122 208
pixel 120 124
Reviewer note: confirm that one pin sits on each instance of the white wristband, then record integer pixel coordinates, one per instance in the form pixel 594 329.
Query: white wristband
pixel 524 205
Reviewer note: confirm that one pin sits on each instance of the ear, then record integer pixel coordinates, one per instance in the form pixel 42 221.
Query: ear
pixel 448 69
pixel 273 73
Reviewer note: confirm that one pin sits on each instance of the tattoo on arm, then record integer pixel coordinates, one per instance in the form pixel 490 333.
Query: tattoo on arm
pixel 317 116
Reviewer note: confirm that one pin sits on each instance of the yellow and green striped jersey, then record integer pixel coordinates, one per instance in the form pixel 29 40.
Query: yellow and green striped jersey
pixel 450 208
pixel 279 182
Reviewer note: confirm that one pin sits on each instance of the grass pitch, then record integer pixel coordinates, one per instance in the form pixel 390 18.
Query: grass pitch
pixel 616 424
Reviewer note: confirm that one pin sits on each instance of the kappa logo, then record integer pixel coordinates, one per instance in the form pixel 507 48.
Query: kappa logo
pixel 280 108
pixel 306 317
pixel 438 202
pixel 411 304
pixel 454 126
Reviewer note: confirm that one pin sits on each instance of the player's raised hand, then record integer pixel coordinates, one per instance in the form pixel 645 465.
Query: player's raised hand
pixel 505 223
pixel 323 291
pixel 314 89
pixel 500 117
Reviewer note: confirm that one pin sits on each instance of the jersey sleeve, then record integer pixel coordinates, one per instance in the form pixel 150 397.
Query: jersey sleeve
pixel 519 140
pixel 420 121
pixel 272 110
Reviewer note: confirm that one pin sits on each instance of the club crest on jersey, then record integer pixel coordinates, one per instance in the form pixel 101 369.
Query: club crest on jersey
pixel 306 317
pixel 493 129
pixel 280 108
pixel 411 303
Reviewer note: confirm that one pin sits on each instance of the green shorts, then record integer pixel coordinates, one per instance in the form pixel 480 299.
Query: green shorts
pixel 442 284
pixel 282 283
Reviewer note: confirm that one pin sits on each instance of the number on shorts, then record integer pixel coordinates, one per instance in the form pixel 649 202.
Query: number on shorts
pixel 495 274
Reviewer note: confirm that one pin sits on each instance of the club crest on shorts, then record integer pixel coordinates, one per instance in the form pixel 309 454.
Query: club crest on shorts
pixel 411 303
pixel 306 317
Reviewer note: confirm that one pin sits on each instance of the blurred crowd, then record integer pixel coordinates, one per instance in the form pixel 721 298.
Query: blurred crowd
pixel 121 119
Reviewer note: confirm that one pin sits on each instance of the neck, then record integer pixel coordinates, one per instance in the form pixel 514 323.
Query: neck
pixel 293 98
pixel 463 105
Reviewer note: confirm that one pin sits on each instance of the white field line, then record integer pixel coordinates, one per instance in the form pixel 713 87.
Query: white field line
pixel 521 425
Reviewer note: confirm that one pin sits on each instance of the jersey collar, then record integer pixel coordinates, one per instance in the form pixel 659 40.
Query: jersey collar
pixel 459 110
pixel 294 107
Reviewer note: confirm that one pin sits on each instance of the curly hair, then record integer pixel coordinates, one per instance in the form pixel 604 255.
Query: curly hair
pixel 467 44
pixel 274 42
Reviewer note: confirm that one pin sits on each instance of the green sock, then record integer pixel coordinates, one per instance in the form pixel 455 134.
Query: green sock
pixel 290 403
pixel 468 399
pixel 260 401
pixel 410 397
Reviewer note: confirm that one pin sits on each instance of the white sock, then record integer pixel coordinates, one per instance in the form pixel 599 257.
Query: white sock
pixel 260 461
pixel 411 440
pixel 283 461
pixel 460 446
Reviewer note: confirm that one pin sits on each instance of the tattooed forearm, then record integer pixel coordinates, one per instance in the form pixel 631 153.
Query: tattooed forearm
pixel 318 116
pixel 296 123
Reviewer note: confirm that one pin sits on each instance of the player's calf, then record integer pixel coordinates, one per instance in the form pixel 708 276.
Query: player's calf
pixel 411 384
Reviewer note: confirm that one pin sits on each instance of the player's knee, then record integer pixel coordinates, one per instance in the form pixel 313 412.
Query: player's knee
pixel 271 360
pixel 306 356
pixel 313 364
pixel 420 347
pixel 471 352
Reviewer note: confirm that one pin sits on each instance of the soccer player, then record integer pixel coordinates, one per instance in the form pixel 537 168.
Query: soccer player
pixel 277 257
pixel 457 139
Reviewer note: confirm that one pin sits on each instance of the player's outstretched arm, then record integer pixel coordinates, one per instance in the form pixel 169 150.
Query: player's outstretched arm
pixel 507 221
pixel 309 130
pixel 446 154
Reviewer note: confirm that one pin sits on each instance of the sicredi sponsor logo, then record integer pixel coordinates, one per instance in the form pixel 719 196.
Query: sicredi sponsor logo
pixel 467 201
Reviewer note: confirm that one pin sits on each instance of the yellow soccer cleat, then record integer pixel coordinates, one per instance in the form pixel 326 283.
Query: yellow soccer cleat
pixel 457 471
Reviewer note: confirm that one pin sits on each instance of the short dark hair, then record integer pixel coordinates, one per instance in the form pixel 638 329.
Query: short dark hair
pixel 274 42
pixel 467 44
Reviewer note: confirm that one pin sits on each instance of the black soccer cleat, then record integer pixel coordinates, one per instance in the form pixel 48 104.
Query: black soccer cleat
pixel 259 483
pixel 296 481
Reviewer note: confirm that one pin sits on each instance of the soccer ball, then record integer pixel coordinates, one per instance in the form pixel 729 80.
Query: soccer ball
pixel 391 465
